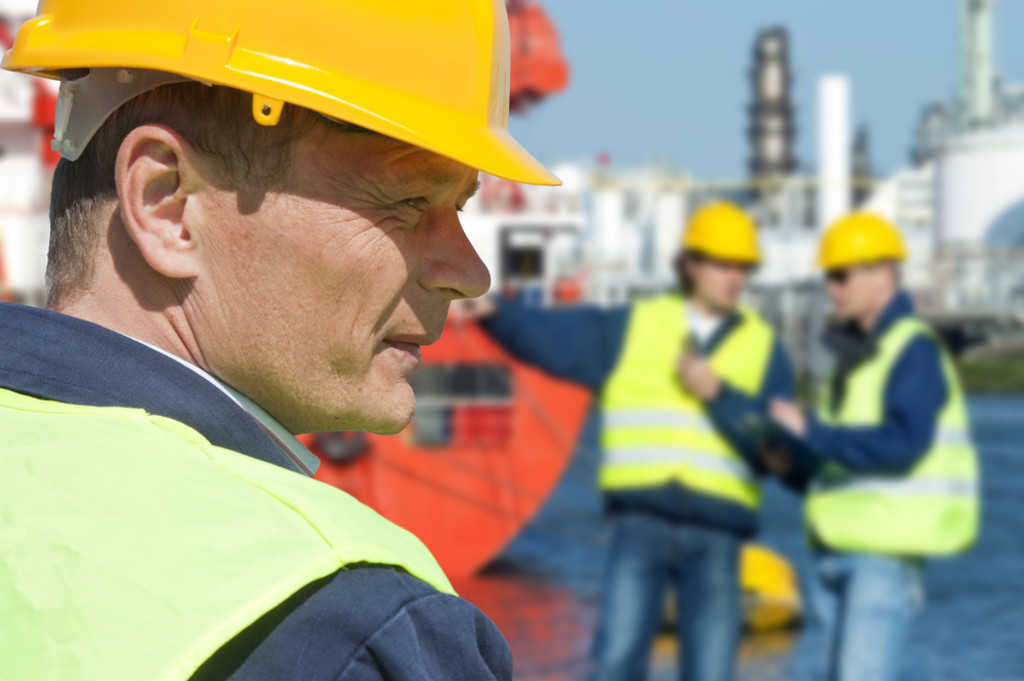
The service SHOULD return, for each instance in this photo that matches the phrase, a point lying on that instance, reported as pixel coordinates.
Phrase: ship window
(522, 263)
(463, 405)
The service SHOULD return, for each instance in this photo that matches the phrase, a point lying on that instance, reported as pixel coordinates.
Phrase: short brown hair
(215, 120)
(684, 259)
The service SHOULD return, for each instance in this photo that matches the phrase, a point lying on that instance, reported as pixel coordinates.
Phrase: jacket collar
(65, 359)
(901, 305)
(852, 347)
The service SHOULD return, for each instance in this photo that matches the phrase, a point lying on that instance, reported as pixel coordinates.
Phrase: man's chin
(389, 427)
(383, 421)
(726, 306)
(391, 416)
(386, 418)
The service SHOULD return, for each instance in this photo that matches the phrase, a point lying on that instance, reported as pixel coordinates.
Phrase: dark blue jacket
(365, 624)
(583, 344)
(914, 397)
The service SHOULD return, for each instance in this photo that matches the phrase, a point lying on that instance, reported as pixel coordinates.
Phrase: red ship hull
(469, 495)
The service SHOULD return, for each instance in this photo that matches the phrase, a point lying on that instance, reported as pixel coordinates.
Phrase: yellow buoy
(771, 596)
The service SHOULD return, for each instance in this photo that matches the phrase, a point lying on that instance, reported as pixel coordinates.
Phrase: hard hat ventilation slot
(73, 74)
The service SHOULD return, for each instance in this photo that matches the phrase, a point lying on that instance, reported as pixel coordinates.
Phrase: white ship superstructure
(25, 168)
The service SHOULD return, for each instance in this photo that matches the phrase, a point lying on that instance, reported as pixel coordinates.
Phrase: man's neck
(156, 328)
(705, 309)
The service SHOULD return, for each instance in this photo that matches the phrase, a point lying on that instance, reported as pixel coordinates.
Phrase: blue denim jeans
(649, 555)
(858, 611)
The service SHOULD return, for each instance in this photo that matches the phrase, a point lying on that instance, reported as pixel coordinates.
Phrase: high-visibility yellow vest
(132, 549)
(933, 509)
(654, 430)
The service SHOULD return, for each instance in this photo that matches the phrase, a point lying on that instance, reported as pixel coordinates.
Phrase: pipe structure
(833, 148)
(977, 69)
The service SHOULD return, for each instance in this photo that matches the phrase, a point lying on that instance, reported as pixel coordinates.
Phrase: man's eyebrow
(440, 178)
(471, 191)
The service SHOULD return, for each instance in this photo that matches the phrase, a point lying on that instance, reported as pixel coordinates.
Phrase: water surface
(542, 591)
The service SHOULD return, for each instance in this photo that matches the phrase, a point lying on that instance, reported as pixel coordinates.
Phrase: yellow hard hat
(724, 231)
(860, 238)
(434, 74)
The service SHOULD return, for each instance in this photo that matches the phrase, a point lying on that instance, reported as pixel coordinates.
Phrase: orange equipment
(538, 68)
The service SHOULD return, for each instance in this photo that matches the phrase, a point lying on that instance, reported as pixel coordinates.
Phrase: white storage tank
(980, 190)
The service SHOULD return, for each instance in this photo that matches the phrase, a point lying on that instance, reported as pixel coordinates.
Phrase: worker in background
(676, 375)
(254, 230)
(897, 477)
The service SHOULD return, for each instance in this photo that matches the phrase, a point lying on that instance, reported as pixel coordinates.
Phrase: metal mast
(977, 71)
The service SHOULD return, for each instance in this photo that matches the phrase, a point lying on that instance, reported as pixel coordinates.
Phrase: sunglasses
(838, 277)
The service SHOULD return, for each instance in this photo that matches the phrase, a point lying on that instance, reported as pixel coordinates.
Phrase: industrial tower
(772, 129)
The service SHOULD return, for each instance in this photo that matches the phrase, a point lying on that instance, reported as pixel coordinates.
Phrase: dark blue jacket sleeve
(733, 406)
(580, 344)
(914, 397)
(366, 624)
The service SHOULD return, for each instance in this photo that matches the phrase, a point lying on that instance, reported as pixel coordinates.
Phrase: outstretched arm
(580, 344)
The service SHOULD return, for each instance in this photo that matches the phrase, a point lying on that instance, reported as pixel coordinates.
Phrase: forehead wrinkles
(390, 163)
(377, 168)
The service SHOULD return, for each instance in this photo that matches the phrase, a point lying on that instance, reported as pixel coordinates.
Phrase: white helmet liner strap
(84, 103)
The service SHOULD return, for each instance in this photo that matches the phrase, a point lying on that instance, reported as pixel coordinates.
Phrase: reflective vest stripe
(713, 463)
(953, 437)
(656, 418)
(919, 487)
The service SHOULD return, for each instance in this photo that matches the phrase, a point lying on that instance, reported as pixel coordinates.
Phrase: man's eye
(419, 203)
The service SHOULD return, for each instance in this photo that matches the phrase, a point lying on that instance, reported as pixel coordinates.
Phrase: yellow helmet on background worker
(723, 231)
(433, 74)
(860, 239)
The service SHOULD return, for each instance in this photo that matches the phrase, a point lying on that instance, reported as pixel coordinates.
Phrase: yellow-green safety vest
(933, 509)
(654, 430)
(132, 549)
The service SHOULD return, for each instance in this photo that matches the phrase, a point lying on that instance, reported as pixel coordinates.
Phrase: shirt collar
(289, 444)
(722, 331)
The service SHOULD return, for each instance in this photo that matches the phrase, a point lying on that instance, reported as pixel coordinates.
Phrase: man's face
(317, 298)
(719, 284)
(855, 291)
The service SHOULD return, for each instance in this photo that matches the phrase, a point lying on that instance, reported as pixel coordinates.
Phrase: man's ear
(154, 173)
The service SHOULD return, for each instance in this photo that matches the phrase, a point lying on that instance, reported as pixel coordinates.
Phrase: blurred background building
(609, 233)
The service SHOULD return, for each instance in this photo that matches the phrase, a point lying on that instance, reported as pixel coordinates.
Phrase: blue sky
(667, 80)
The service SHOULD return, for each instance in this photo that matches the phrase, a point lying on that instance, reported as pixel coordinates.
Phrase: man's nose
(452, 265)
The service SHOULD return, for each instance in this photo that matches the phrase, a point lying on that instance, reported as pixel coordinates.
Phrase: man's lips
(412, 343)
(409, 348)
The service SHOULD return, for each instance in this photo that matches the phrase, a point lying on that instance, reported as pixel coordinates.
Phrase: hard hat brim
(476, 141)
(838, 263)
(731, 257)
